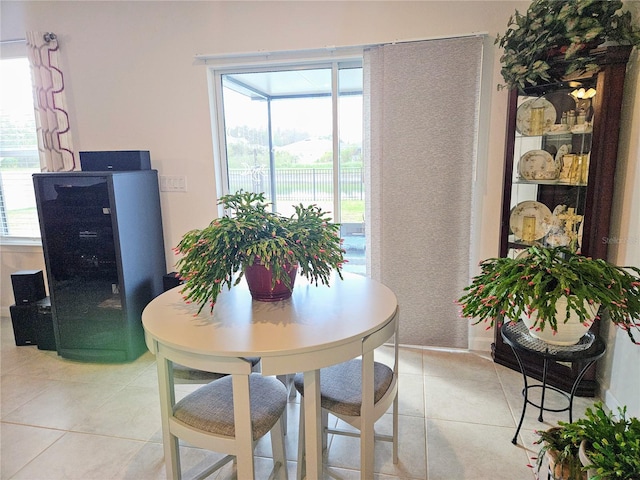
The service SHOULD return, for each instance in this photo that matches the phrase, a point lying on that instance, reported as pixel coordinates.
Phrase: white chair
(227, 415)
(344, 394)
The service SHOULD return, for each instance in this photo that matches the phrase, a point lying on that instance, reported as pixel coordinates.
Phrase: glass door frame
(218, 125)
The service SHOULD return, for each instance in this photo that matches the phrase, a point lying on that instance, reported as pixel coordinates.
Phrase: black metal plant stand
(587, 351)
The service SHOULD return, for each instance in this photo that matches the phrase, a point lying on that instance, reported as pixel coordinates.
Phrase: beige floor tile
(62, 405)
(411, 361)
(133, 413)
(465, 451)
(81, 456)
(116, 374)
(13, 357)
(32, 363)
(464, 400)
(461, 364)
(20, 444)
(411, 395)
(19, 389)
(344, 452)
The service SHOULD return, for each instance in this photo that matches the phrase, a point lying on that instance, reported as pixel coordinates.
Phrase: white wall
(133, 84)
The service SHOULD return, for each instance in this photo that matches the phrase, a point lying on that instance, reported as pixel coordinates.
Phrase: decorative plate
(530, 220)
(538, 165)
(523, 115)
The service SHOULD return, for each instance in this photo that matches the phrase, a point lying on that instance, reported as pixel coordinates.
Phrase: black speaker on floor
(23, 318)
(28, 286)
(115, 161)
(170, 281)
(45, 336)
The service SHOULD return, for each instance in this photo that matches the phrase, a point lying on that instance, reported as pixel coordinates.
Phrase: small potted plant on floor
(600, 446)
(560, 448)
(261, 245)
(609, 445)
(549, 288)
(553, 39)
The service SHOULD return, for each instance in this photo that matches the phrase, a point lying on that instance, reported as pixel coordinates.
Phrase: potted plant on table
(254, 242)
(553, 39)
(549, 288)
(600, 446)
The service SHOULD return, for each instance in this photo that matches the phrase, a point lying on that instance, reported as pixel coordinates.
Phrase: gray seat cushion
(210, 408)
(200, 376)
(341, 386)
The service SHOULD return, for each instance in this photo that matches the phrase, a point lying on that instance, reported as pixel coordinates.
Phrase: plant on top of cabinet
(254, 236)
(553, 39)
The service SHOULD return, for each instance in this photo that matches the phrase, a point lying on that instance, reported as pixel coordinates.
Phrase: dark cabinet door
(102, 267)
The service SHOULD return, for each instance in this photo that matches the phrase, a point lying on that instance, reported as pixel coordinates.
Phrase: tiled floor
(69, 420)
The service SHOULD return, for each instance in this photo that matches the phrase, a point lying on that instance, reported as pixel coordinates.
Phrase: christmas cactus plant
(512, 287)
(214, 257)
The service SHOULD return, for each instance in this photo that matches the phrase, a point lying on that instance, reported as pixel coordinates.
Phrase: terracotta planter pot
(260, 282)
(563, 471)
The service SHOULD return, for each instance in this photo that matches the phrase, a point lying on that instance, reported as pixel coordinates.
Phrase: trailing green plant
(552, 31)
(249, 233)
(513, 287)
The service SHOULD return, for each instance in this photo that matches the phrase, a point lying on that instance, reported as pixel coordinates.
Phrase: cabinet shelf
(548, 182)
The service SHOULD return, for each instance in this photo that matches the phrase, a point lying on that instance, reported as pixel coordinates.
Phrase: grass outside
(352, 211)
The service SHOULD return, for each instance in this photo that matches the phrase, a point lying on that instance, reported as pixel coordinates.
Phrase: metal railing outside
(301, 184)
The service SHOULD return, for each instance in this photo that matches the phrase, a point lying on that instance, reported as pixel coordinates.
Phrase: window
(295, 133)
(18, 152)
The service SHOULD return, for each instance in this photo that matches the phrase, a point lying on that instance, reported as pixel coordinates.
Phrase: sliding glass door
(295, 134)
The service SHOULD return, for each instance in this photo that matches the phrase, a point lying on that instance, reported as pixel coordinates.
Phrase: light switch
(173, 183)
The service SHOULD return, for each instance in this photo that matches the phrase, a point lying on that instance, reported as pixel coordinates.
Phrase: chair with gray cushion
(228, 415)
(342, 394)
(182, 374)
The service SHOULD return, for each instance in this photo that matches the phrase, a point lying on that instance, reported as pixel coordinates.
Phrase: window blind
(421, 123)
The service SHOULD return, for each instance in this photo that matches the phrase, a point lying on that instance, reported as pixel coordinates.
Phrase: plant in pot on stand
(553, 39)
(550, 288)
(256, 243)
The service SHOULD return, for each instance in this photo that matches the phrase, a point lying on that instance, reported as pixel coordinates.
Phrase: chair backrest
(369, 344)
(384, 334)
(220, 365)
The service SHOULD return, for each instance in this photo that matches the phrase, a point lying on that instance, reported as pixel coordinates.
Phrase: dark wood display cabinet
(560, 158)
(104, 253)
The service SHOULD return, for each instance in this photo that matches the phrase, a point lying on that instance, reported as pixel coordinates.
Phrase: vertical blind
(421, 123)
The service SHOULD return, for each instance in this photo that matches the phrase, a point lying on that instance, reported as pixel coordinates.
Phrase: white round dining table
(317, 327)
